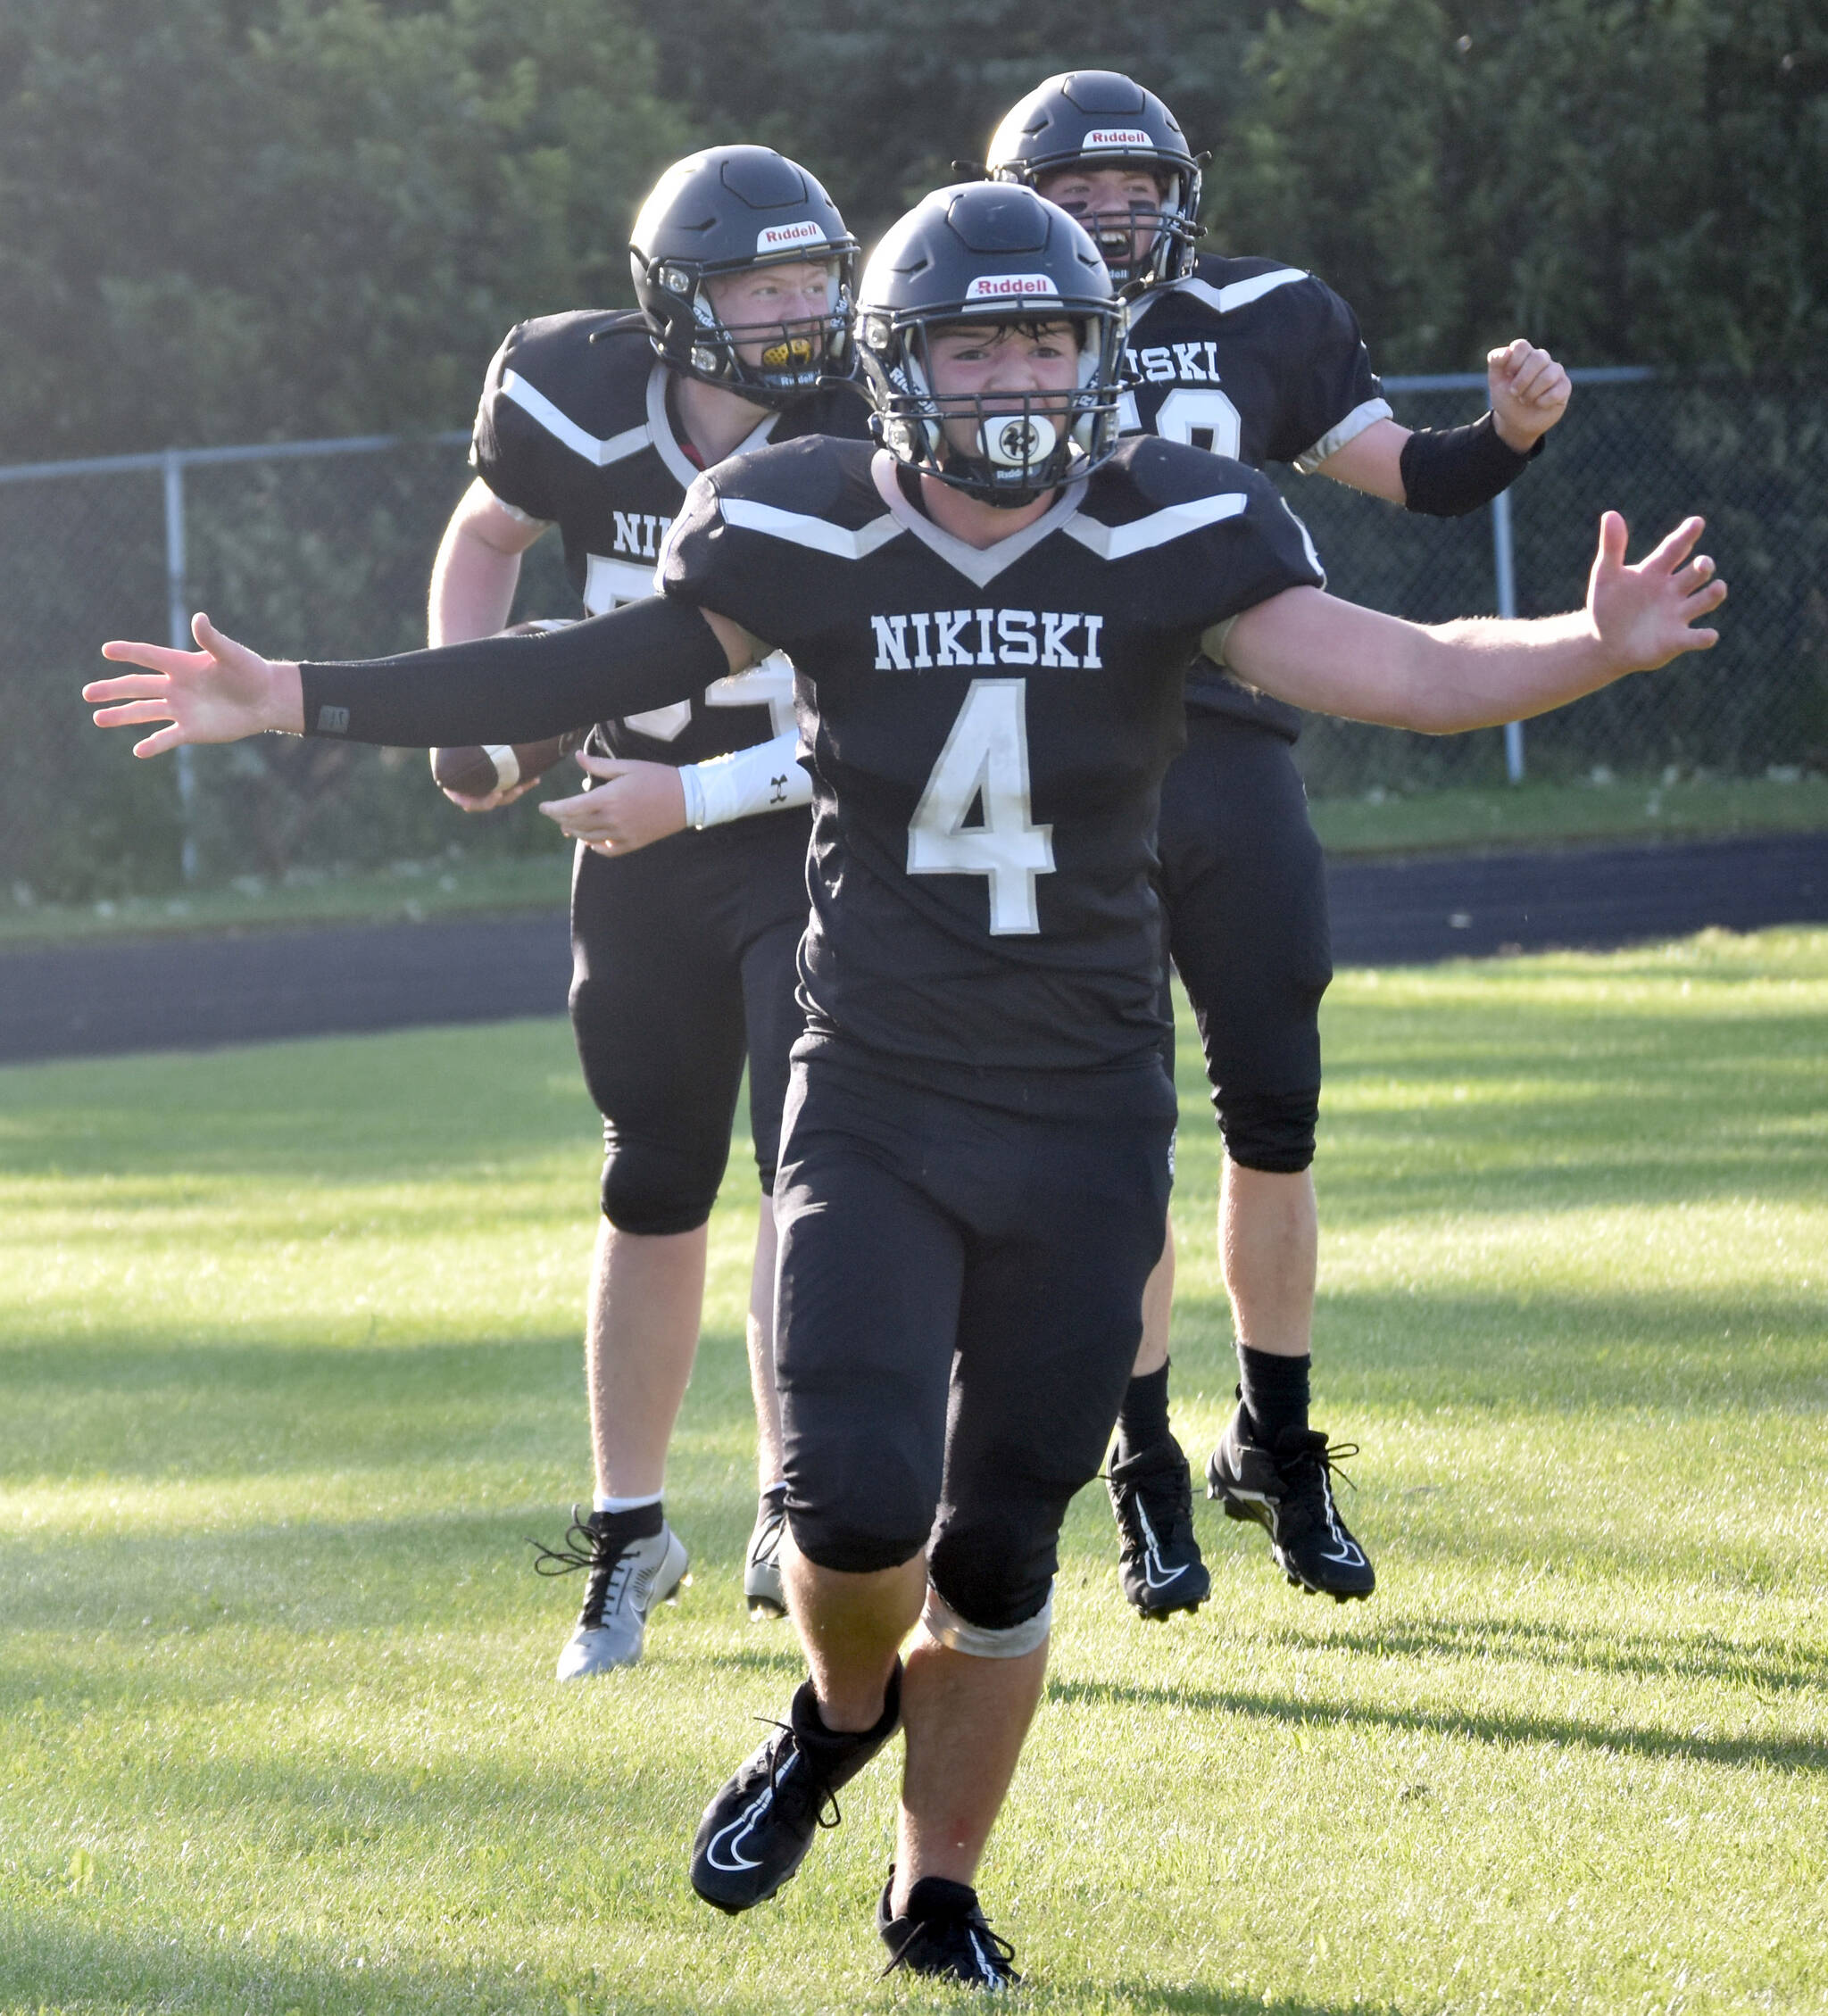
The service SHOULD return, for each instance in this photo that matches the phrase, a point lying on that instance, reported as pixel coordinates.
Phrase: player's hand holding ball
(1529, 392)
(629, 808)
(482, 777)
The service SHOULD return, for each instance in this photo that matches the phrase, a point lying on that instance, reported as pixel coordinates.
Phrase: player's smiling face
(1000, 367)
(785, 306)
(1118, 206)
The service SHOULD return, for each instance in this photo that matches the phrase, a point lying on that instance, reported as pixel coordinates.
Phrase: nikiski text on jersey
(929, 638)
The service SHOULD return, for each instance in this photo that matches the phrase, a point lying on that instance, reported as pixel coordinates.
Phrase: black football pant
(1245, 887)
(959, 1303)
(683, 958)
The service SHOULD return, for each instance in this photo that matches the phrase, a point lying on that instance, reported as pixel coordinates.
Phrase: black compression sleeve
(519, 689)
(1450, 471)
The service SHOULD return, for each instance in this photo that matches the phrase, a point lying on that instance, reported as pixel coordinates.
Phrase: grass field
(290, 1369)
(1624, 812)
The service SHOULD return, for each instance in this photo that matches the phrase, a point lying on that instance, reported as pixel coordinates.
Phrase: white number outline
(1189, 410)
(613, 583)
(985, 756)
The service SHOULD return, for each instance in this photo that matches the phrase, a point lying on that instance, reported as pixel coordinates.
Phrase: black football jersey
(987, 732)
(1256, 361)
(574, 429)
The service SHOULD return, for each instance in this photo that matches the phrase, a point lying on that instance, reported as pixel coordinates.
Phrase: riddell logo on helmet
(774, 238)
(1010, 287)
(1117, 136)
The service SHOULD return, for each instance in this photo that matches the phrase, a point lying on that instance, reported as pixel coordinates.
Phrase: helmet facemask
(1171, 223)
(796, 352)
(1025, 444)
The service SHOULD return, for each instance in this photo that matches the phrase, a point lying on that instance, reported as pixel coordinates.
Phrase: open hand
(633, 805)
(1645, 614)
(221, 692)
(1529, 392)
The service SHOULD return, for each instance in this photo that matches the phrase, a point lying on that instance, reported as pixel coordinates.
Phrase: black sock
(640, 1522)
(1143, 1419)
(1273, 1390)
(810, 1727)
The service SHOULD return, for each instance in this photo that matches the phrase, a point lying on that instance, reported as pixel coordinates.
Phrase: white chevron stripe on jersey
(817, 533)
(562, 427)
(1118, 542)
(1238, 294)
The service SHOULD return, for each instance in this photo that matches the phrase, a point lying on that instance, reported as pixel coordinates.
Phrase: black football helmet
(730, 210)
(1102, 119)
(988, 252)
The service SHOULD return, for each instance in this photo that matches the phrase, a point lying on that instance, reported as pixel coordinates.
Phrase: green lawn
(289, 1369)
(1617, 811)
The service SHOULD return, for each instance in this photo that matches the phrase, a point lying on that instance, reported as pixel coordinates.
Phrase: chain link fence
(323, 549)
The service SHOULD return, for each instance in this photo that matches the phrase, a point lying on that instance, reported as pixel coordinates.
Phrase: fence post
(1503, 564)
(178, 630)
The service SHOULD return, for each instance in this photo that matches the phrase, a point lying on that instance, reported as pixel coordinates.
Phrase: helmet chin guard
(729, 211)
(998, 256)
(1091, 119)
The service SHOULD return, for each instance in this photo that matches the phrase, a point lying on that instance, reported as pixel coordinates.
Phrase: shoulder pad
(1148, 474)
(813, 477)
(552, 350)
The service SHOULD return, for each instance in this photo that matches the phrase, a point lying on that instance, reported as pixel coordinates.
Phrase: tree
(1636, 182)
(297, 216)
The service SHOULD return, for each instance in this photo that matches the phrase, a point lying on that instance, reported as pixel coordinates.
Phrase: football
(476, 771)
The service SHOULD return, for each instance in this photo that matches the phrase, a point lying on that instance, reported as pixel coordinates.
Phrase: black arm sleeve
(510, 689)
(1450, 471)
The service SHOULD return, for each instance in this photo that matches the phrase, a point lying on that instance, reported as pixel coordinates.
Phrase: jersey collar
(980, 564)
(666, 443)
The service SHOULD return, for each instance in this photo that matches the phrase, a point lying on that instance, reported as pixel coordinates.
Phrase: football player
(990, 617)
(1256, 360)
(683, 955)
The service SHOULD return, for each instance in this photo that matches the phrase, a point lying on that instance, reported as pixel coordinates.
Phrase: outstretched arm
(1335, 657)
(492, 690)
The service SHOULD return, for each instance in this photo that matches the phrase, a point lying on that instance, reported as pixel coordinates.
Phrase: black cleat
(755, 1833)
(1151, 1496)
(1288, 1491)
(943, 1934)
(762, 1588)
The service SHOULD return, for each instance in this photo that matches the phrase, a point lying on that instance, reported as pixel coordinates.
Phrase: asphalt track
(196, 992)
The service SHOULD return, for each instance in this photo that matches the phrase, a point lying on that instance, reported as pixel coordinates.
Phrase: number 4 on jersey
(984, 765)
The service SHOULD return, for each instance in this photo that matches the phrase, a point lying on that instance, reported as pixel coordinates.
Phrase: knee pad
(1273, 1132)
(996, 1575)
(655, 1189)
(944, 1626)
(848, 1547)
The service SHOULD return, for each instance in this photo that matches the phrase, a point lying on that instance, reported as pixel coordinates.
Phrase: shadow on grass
(1559, 1354)
(310, 1575)
(1781, 1754)
(1700, 1656)
(153, 1407)
(98, 1971)
(95, 1970)
(1235, 2002)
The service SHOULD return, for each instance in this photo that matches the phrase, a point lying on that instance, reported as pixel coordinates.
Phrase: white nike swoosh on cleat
(731, 1835)
(1349, 1559)
(1152, 1561)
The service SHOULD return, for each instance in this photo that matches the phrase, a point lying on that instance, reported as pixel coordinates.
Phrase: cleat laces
(608, 1563)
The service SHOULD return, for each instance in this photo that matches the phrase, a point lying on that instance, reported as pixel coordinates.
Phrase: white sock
(602, 1502)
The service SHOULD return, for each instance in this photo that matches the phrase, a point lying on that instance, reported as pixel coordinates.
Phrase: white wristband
(695, 794)
(765, 778)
